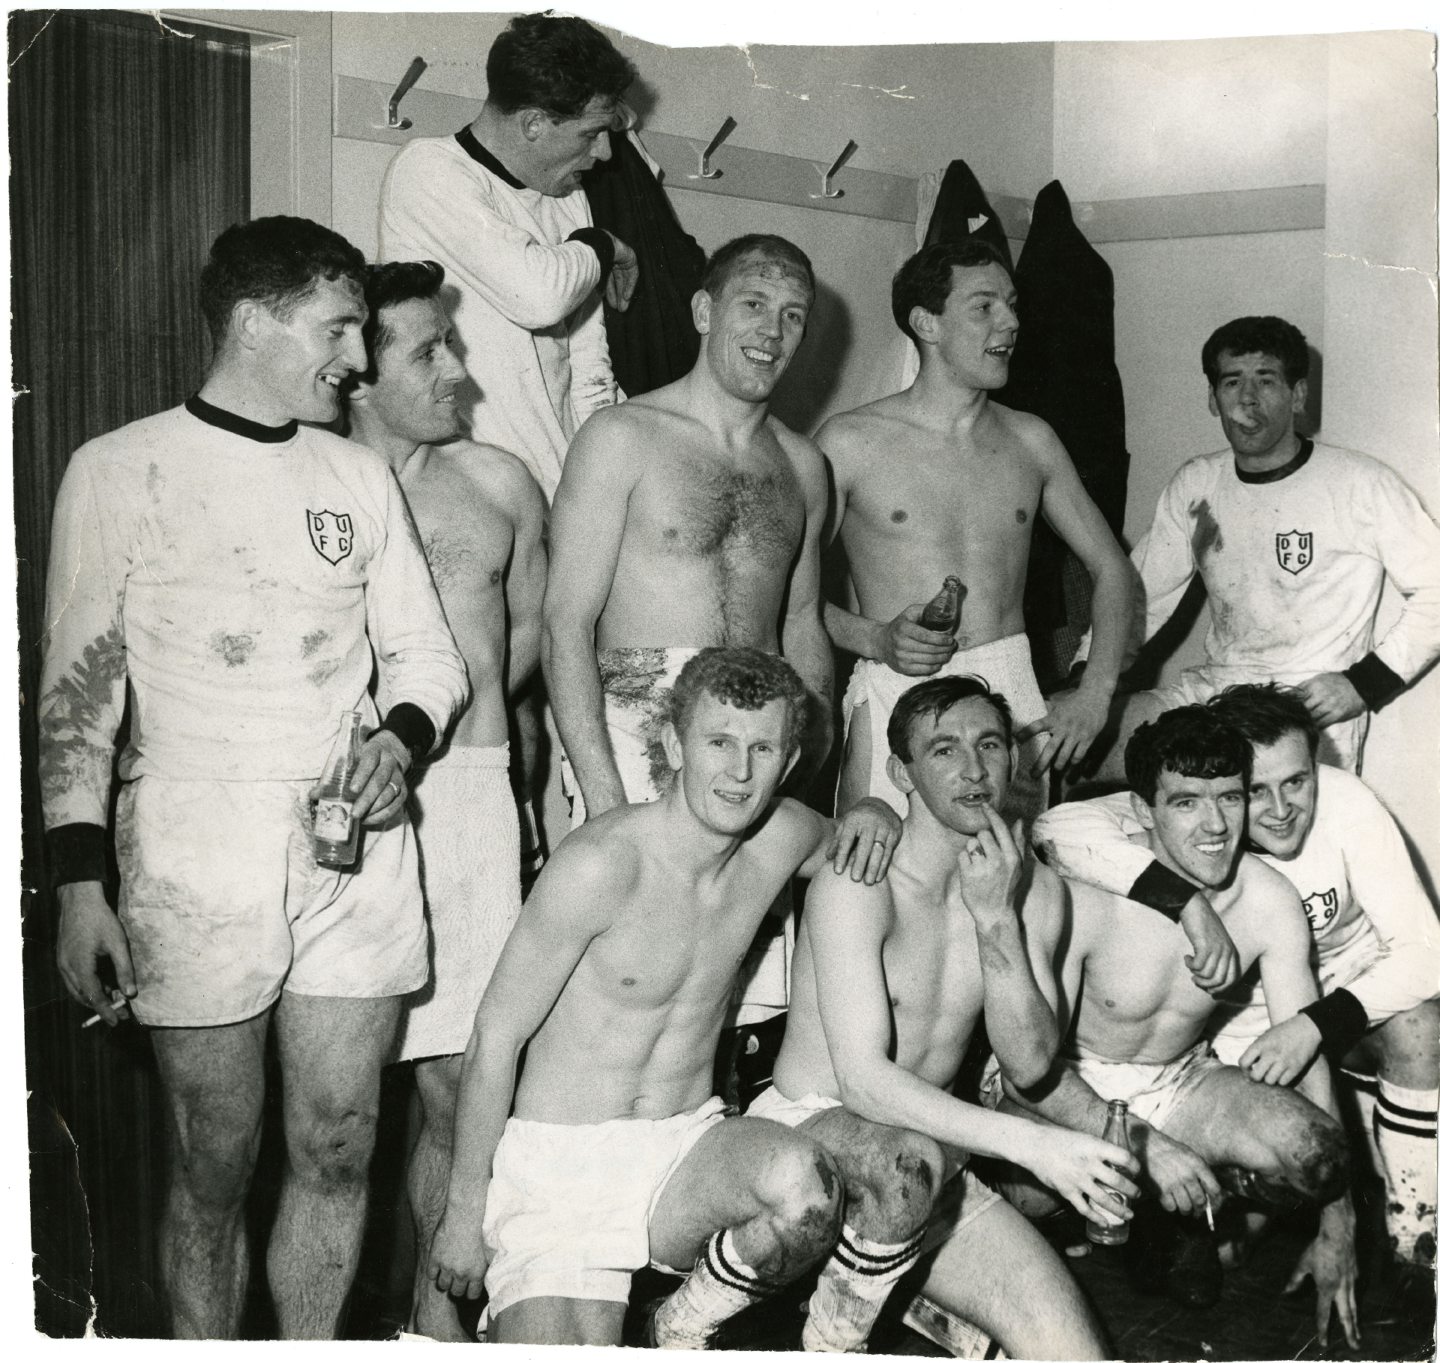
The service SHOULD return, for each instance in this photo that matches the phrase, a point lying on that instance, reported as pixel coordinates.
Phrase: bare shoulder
(1262, 891)
(835, 901)
(610, 447)
(848, 437)
(803, 453)
(599, 864)
(495, 474)
(1032, 433)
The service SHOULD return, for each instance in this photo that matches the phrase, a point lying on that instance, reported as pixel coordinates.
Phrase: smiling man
(615, 983)
(499, 205)
(939, 480)
(237, 575)
(481, 520)
(689, 517)
(1295, 541)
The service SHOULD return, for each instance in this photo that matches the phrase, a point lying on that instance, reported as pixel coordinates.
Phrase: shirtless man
(481, 516)
(684, 518)
(938, 480)
(890, 980)
(615, 981)
(1140, 1019)
(1375, 929)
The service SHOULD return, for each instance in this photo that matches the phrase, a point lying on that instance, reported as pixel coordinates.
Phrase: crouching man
(617, 975)
(890, 979)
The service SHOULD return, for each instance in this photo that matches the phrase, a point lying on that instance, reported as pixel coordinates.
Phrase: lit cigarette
(118, 1002)
(1209, 1215)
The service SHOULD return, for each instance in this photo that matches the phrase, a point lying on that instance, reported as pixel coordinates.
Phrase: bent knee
(801, 1188)
(215, 1159)
(901, 1175)
(1409, 1046)
(1317, 1163)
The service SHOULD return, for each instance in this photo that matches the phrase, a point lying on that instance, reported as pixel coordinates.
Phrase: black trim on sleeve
(75, 852)
(1341, 1018)
(412, 726)
(1161, 889)
(598, 240)
(239, 425)
(1375, 681)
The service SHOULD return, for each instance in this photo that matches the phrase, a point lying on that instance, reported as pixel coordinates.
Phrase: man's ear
(248, 321)
(896, 771)
(1143, 812)
(700, 311)
(670, 741)
(922, 323)
(532, 123)
(1210, 395)
(1298, 397)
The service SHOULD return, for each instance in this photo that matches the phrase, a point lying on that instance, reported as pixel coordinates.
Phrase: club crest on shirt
(1295, 549)
(1321, 908)
(332, 533)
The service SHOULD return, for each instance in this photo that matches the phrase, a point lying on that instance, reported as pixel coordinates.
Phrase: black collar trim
(239, 425)
(472, 148)
(1302, 457)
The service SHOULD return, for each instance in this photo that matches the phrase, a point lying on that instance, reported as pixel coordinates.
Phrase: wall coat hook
(706, 172)
(392, 105)
(826, 176)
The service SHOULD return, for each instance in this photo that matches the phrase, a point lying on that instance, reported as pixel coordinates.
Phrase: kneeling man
(1140, 1015)
(617, 976)
(890, 979)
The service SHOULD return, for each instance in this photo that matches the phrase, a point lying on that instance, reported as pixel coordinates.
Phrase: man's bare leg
(998, 1273)
(891, 1178)
(331, 1050)
(752, 1206)
(558, 1320)
(214, 1080)
(432, 1312)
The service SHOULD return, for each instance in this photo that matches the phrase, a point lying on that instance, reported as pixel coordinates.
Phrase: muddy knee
(333, 1148)
(889, 1193)
(802, 1195)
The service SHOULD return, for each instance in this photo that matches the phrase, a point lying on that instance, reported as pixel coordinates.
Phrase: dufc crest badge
(1321, 908)
(1295, 549)
(332, 533)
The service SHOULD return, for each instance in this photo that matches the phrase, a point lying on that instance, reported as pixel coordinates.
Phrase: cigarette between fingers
(1209, 1215)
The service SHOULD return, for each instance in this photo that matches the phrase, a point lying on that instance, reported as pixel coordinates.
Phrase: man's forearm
(482, 1107)
(572, 678)
(1064, 1098)
(1111, 613)
(1019, 1021)
(806, 647)
(853, 633)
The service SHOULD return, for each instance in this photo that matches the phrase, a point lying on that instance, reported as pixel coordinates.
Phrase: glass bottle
(1117, 1132)
(943, 613)
(335, 832)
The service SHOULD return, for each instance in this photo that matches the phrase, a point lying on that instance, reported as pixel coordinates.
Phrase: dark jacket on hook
(653, 342)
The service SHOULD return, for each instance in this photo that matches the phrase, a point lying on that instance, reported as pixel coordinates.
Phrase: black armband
(1159, 888)
(1341, 1019)
(1374, 681)
(75, 852)
(598, 240)
(412, 726)
(1077, 675)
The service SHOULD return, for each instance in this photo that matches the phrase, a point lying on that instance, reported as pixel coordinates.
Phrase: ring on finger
(390, 785)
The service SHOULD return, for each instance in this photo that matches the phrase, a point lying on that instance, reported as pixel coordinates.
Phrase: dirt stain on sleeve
(1205, 538)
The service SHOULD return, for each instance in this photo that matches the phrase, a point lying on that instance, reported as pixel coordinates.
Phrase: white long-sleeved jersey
(1293, 567)
(239, 586)
(1354, 875)
(527, 312)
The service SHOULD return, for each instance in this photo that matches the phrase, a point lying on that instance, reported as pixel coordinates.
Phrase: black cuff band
(75, 852)
(1374, 680)
(598, 240)
(1077, 674)
(412, 726)
(1341, 1018)
(1161, 889)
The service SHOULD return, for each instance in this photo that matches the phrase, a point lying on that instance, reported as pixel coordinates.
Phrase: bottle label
(333, 819)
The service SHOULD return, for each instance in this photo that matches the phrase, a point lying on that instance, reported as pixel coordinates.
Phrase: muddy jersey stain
(1206, 538)
(312, 641)
(234, 648)
(75, 733)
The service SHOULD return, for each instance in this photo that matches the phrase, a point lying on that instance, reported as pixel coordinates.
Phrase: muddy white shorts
(569, 1208)
(1154, 1092)
(224, 906)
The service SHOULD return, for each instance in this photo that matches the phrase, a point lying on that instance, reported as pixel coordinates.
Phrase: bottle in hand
(335, 836)
(943, 613)
(1117, 1132)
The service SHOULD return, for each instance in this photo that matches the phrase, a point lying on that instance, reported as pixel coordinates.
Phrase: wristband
(75, 852)
(598, 240)
(412, 726)
(1159, 888)
(1340, 1018)
(1375, 683)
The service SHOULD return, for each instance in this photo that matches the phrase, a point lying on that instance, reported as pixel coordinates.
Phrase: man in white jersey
(1377, 938)
(890, 981)
(239, 575)
(1294, 541)
(500, 206)
(481, 520)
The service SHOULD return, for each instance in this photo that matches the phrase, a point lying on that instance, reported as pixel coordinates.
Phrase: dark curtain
(653, 342)
(129, 153)
(1064, 371)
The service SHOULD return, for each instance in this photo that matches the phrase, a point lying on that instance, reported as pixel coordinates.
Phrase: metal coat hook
(705, 172)
(827, 175)
(392, 106)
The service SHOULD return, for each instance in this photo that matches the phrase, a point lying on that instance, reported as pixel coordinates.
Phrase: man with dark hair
(481, 522)
(239, 575)
(1375, 930)
(939, 481)
(1139, 1023)
(689, 517)
(499, 205)
(615, 983)
(1295, 541)
(890, 981)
